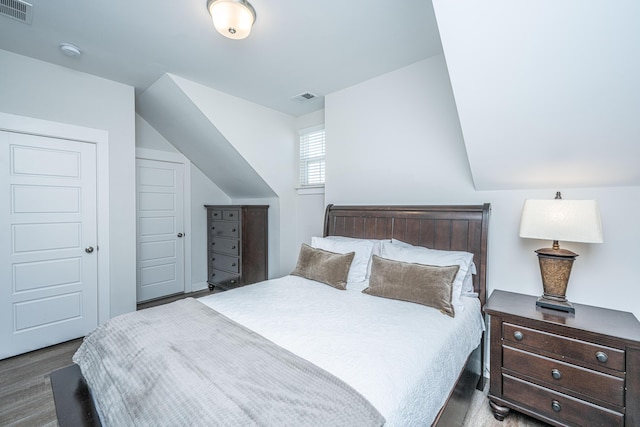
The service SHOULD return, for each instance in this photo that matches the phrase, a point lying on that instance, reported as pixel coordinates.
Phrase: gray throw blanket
(184, 364)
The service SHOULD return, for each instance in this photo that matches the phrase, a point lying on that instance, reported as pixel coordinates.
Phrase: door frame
(166, 156)
(39, 127)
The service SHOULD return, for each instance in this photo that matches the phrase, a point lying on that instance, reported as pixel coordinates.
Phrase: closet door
(48, 241)
(160, 215)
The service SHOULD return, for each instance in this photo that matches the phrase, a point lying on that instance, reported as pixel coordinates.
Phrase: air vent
(304, 97)
(16, 9)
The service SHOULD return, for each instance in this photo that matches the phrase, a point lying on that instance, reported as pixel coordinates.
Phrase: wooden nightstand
(565, 369)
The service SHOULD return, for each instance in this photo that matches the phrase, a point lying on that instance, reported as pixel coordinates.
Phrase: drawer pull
(602, 357)
(230, 215)
(233, 247)
(518, 335)
(556, 374)
(233, 264)
(555, 405)
(233, 231)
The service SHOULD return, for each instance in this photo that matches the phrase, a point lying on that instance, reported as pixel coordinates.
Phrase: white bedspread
(403, 357)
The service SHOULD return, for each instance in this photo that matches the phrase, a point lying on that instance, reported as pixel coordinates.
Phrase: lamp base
(555, 267)
(555, 305)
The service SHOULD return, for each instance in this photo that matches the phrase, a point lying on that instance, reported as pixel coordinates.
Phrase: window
(312, 157)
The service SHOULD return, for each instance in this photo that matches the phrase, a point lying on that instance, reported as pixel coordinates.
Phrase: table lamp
(558, 219)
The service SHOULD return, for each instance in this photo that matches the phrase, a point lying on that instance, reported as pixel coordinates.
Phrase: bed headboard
(454, 228)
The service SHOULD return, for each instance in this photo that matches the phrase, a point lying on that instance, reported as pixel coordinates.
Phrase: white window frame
(304, 158)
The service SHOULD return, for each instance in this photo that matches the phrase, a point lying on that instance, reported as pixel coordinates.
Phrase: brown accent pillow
(324, 266)
(422, 284)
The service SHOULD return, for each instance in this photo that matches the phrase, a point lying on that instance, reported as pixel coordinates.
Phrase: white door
(160, 214)
(48, 241)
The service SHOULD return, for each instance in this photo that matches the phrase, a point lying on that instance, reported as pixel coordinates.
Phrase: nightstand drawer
(586, 382)
(577, 350)
(559, 406)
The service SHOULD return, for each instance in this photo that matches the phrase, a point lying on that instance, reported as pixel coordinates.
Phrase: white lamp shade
(232, 18)
(562, 220)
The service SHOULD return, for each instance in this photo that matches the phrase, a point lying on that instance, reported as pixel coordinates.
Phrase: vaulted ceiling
(295, 46)
(547, 92)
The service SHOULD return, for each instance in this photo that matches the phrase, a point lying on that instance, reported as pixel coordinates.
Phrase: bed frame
(461, 228)
(455, 228)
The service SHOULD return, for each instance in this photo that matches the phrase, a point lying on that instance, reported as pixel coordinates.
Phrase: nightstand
(565, 369)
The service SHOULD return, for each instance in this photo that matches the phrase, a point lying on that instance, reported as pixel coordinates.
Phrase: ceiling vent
(16, 9)
(304, 97)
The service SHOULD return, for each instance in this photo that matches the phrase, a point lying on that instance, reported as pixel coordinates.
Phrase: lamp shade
(559, 219)
(232, 18)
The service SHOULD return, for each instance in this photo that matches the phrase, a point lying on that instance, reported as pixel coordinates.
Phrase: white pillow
(362, 248)
(402, 244)
(376, 249)
(467, 283)
(420, 255)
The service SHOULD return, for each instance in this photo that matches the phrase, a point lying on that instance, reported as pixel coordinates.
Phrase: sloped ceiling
(170, 111)
(295, 46)
(548, 92)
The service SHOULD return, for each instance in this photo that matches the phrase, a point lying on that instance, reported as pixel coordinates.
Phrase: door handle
(89, 249)
(180, 234)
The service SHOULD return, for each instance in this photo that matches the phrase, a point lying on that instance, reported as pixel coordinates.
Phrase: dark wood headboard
(454, 228)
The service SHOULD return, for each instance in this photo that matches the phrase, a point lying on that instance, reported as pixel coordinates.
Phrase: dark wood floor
(25, 389)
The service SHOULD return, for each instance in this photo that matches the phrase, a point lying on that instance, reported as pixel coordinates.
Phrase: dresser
(237, 245)
(565, 369)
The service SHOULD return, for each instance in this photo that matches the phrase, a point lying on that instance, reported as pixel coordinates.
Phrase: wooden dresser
(565, 369)
(237, 245)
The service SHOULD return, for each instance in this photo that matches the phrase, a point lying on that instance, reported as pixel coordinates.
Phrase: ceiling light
(232, 18)
(70, 49)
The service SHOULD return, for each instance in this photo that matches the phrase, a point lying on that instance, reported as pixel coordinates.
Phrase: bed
(390, 375)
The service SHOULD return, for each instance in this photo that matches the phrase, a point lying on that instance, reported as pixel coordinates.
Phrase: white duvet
(403, 357)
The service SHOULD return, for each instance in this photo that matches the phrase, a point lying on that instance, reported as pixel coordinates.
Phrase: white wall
(203, 192)
(310, 203)
(396, 140)
(266, 139)
(33, 88)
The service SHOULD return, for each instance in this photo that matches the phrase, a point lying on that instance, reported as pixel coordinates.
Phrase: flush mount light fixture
(232, 18)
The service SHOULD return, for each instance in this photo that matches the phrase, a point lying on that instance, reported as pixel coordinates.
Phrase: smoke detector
(70, 49)
(304, 97)
(17, 9)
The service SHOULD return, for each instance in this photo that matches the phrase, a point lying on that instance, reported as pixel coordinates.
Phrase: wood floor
(26, 398)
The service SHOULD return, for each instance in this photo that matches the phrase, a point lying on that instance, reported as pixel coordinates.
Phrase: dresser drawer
(587, 382)
(214, 214)
(577, 350)
(220, 277)
(224, 229)
(227, 246)
(559, 406)
(231, 214)
(226, 263)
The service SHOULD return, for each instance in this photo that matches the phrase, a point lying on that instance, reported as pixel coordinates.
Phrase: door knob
(89, 249)
(180, 234)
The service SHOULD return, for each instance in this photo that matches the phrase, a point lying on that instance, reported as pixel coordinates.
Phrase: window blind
(312, 156)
